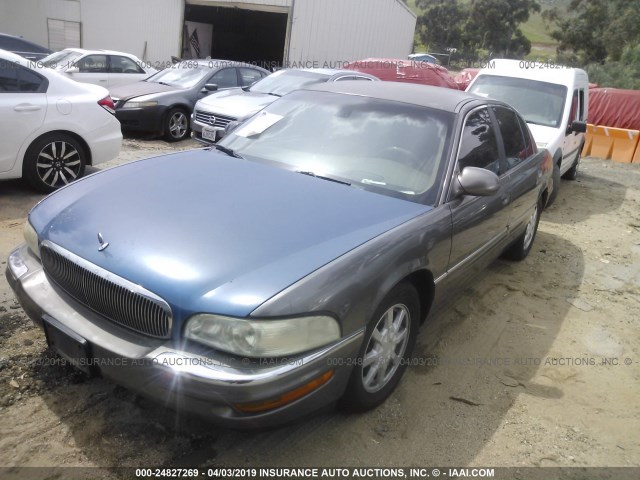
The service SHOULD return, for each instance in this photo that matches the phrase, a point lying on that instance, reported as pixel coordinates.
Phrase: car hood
(235, 103)
(542, 134)
(136, 89)
(212, 233)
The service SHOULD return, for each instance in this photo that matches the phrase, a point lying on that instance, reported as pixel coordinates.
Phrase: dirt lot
(513, 372)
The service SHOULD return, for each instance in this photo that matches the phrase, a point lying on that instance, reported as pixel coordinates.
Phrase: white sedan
(106, 68)
(50, 126)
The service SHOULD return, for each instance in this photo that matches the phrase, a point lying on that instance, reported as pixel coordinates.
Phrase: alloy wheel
(178, 125)
(386, 348)
(58, 163)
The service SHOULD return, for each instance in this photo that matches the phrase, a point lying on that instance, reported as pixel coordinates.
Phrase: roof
(423, 95)
(405, 70)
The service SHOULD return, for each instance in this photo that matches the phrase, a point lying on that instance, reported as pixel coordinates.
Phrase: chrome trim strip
(94, 299)
(472, 256)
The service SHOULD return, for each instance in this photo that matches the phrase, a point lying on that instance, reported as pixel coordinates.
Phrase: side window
(573, 114)
(582, 116)
(512, 136)
(14, 78)
(93, 64)
(529, 142)
(124, 65)
(225, 78)
(479, 147)
(248, 76)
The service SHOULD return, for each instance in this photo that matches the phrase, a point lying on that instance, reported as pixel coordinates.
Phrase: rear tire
(52, 161)
(176, 125)
(386, 349)
(521, 248)
(556, 184)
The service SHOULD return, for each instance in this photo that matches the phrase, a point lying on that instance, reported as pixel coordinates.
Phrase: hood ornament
(103, 244)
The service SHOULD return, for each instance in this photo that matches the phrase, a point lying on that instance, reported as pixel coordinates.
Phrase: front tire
(53, 161)
(572, 173)
(521, 248)
(387, 347)
(556, 183)
(176, 125)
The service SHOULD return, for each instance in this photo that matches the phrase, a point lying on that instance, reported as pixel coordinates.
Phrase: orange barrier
(636, 156)
(588, 140)
(617, 144)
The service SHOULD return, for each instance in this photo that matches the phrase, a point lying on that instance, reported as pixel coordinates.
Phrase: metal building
(272, 32)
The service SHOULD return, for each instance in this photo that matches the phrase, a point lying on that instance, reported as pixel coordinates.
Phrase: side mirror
(478, 182)
(72, 70)
(579, 127)
(210, 87)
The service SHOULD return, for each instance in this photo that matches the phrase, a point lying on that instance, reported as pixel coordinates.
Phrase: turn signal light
(285, 399)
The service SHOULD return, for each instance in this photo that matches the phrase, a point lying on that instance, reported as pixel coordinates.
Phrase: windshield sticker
(258, 124)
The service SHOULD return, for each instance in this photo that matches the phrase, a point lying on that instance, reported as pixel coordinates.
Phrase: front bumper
(149, 119)
(182, 379)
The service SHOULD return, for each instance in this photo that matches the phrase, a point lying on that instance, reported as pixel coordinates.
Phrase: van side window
(575, 110)
(582, 117)
(515, 148)
(479, 147)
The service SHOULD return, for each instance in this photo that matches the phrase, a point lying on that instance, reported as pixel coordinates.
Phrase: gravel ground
(535, 364)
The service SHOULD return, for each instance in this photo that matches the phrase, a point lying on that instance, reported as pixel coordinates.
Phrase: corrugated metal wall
(339, 31)
(126, 25)
(322, 31)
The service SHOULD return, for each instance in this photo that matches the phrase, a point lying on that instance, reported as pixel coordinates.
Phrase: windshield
(181, 75)
(285, 81)
(60, 59)
(393, 148)
(540, 103)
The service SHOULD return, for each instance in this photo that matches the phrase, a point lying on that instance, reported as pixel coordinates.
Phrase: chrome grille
(212, 119)
(113, 297)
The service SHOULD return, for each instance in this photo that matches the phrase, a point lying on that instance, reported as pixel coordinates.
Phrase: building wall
(126, 25)
(122, 25)
(323, 31)
(339, 31)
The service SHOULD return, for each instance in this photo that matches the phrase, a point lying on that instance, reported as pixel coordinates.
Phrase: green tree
(479, 25)
(596, 30)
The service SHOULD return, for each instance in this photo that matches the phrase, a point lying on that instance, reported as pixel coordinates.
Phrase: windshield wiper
(311, 174)
(228, 151)
(274, 94)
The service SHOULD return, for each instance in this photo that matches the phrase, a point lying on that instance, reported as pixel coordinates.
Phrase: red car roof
(409, 71)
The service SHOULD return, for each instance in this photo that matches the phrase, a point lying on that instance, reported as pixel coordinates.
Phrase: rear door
(92, 69)
(479, 223)
(23, 106)
(521, 166)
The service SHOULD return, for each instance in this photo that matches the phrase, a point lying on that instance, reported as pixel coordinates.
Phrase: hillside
(542, 45)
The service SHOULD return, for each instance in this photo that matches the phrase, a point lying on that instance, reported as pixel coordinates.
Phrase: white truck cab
(552, 99)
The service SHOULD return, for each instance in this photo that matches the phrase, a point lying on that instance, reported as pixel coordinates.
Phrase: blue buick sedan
(290, 266)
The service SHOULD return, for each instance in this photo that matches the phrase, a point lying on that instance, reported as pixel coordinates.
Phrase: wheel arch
(75, 136)
(423, 282)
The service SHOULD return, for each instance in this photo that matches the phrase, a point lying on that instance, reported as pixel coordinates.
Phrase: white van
(552, 99)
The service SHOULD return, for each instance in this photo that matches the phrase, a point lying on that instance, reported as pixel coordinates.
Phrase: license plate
(67, 343)
(209, 134)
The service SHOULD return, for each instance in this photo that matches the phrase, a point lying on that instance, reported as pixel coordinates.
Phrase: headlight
(263, 338)
(149, 103)
(31, 237)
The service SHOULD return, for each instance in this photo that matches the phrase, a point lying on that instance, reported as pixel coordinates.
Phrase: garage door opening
(235, 34)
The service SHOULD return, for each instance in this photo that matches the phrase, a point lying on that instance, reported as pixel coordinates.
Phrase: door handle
(26, 108)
